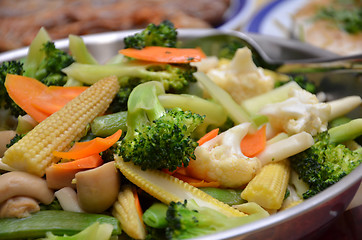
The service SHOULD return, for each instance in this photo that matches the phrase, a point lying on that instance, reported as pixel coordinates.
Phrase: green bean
(55, 221)
(228, 196)
(106, 125)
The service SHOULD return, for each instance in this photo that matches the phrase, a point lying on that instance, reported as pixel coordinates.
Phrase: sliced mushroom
(19, 207)
(98, 188)
(19, 183)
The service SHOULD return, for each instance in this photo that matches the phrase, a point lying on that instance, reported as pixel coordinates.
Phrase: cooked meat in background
(20, 20)
(334, 25)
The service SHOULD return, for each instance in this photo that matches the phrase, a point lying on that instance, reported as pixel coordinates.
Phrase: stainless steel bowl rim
(308, 205)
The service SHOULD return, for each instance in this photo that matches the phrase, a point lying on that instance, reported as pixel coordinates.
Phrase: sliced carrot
(66, 92)
(208, 136)
(61, 175)
(35, 98)
(91, 161)
(23, 90)
(165, 54)
(252, 144)
(137, 204)
(195, 182)
(94, 146)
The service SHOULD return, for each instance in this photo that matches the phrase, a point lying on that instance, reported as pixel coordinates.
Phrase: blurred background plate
(238, 14)
(275, 18)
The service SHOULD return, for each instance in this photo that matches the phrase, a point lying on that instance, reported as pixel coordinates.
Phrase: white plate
(275, 18)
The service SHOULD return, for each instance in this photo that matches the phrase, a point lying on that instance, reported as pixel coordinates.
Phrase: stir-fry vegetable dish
(160, 142)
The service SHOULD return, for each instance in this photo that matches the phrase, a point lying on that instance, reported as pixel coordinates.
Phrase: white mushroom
(19, 183)
(98, 188)
(19, 207)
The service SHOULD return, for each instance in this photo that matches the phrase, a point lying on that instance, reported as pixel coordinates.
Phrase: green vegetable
(15, 139)
(328, 161)
(35, 54)
(188, 220)
(79, 50)
(155, 216)
(12, 67)
(175, 78)
(96, 231)
(106, 125)
(57, 222)
(164, 35)
(157, 138)
(49, 70)
(228, 196)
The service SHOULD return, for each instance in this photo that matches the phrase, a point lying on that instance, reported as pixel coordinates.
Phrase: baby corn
(167, 188)
(125, 211)
(33, 153)
(268, 187)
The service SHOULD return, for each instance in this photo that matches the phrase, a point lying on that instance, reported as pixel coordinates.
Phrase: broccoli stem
(347, 131)
(35, 54)
(90, 74)
(79, 50)
(106, 125)
(214, 113)
(155, 216)
(234, 110)
(144, 106)
(55, 221)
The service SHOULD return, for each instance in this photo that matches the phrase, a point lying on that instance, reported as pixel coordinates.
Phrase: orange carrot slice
(94, 146)
(66, 92)
(208, 136)
(36, 99)
(137, 204)
(23, 90)
(252, 144)
(91, 161)
(165, 54)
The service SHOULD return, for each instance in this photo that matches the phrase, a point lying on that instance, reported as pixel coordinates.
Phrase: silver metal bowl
(294, 223)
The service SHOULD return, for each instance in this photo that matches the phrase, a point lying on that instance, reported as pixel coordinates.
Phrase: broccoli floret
(15, 139)
(302, 81)
(49, 70)
(327, 161)
(188, 220)
(164, 35)
(12, 67)
(175, 79)
(157, 138)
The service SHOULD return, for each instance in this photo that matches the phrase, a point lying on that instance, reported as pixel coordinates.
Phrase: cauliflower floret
(220, 159)
(301, 112)
(240, 77)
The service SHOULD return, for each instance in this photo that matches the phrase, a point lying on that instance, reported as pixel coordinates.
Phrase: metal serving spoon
(272, 50)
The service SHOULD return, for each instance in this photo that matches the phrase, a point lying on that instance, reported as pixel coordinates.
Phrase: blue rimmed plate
(275, 18)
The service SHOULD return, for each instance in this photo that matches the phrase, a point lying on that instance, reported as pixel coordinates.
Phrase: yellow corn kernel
(34, 152)
(125, 211)
(167, 188)
(268, 187)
